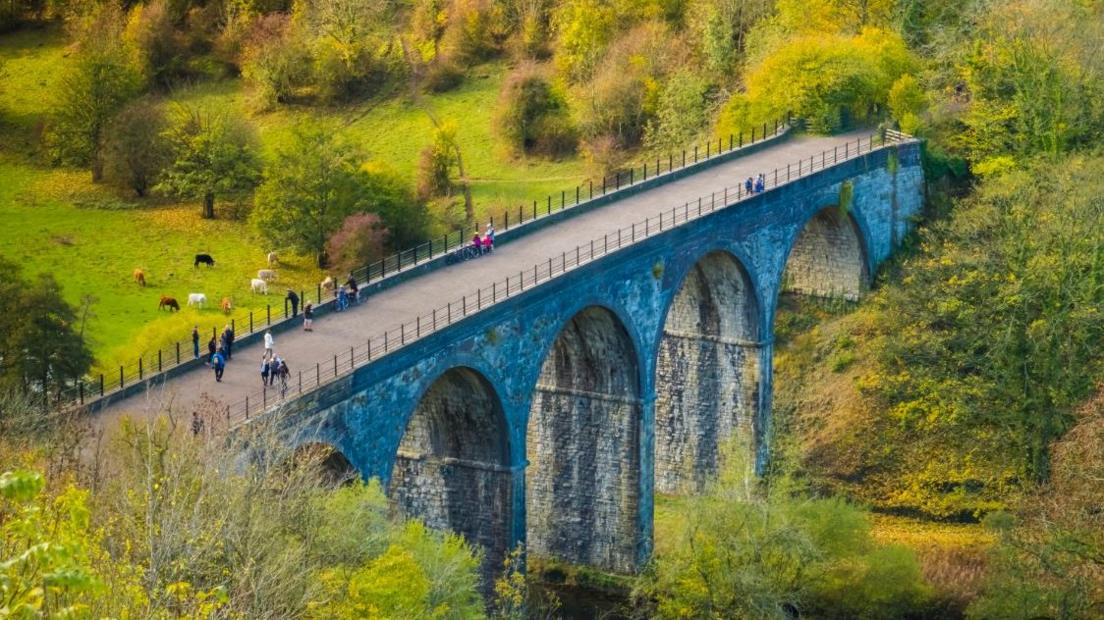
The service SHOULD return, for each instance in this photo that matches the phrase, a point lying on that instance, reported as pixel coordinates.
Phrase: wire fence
(150, 364)
(343, 363)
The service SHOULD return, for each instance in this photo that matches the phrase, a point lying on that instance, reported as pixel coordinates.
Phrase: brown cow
(168, 302)
(227, 305)
(140, 277)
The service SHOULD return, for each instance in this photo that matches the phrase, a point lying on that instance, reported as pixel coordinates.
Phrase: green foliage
(212, 158)
(40, 336)
(681, 113)
(93, 91)
(720, 30)
(533, 115)
(310, 187)
(1003, 303)
(907, 101)
(1035, 87)
(832, 81)
(751, 552)
(154, 44)
(583, 29)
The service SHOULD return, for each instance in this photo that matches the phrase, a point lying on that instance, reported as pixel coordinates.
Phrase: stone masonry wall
(707, 374)
(583, 441)
(827, 259)
(451, 470)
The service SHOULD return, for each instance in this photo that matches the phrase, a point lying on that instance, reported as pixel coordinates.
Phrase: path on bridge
(335, 333)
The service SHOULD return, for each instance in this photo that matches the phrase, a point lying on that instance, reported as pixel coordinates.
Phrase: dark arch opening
(334, 468)
(583, 446)
(452, 468)
(707, 373)
(828, 259)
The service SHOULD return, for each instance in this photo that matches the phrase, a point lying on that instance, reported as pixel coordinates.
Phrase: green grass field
(91, 238)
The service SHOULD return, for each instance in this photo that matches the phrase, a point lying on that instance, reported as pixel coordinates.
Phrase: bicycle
(461, 254)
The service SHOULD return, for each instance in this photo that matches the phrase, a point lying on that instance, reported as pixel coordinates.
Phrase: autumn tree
(135, 151)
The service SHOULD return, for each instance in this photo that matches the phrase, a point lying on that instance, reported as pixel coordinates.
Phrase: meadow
(91, 237)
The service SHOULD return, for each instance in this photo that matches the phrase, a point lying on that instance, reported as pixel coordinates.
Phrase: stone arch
(707, 372)
(828, 258)
(583, 446)
(452, 467)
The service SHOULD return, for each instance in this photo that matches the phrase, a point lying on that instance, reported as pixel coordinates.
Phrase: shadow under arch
(334, 467)
(829, 258)
(707, 372)
(583, 446)
(452, 466)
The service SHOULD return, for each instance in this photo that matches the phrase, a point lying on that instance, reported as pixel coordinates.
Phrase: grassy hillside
(92, 237)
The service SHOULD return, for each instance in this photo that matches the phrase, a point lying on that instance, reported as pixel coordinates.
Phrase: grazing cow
(205, 259)
(227, 305)
(328, 284)
(196, 299)
(168, 302)
(140, 277)
(273, 259)
(259, 286)
(267, 275)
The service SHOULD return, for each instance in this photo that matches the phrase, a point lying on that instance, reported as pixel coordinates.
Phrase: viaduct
(553, 415)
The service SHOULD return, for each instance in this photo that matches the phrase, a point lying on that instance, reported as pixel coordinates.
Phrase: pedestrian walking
(229, 342)
(308, 317)
(211, 348)
(749, 186)
(294, 299)
(342, 298)
(266, 370)
(195, 341)
(219, 364)
(269, 343)
(489, 238)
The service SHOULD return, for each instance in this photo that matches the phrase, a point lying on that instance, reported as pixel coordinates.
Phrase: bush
(473, 33)
(831, 81)
(442, 75)
(744, 551)
(275, 61)
(622, 97)
(361, 240)
(583, 30)
(154, 43)
(135, 152)
(682, 112)
(532, 115)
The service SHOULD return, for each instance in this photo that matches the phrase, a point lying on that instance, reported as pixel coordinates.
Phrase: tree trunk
(209, 206)
(323, 260)
(97, 168)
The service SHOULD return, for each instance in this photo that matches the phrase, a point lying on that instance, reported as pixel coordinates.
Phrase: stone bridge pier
(554, 417)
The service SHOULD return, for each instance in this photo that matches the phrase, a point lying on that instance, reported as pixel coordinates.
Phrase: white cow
(196, 299)
(259, 286)
(268, 275)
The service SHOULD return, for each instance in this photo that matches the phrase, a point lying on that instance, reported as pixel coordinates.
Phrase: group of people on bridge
(756, 185)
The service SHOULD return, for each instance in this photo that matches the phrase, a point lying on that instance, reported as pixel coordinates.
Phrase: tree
(212, 158)
(40, 347)
(97, 87)
(532, 115)
(681, 114)
(135, 152)
(309, 189)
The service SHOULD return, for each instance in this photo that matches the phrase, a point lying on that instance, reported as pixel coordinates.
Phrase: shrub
(275, 61)
(532, 115)
(831, 81)
(442, 75)
(154, 43)
(134, 150)
(361, 240)
(473, 32)
(682, 112)
(583, 30)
